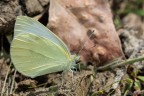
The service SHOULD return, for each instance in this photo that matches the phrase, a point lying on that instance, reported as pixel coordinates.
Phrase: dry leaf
(75, 20)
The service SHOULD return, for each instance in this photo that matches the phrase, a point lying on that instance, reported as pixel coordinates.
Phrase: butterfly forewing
(28, 25)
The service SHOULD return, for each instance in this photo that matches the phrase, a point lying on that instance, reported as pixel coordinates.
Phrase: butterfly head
(74, 59)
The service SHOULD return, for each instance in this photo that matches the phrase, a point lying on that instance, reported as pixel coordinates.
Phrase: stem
(122, 63)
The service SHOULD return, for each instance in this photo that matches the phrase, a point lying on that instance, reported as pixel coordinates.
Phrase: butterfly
(36, 51)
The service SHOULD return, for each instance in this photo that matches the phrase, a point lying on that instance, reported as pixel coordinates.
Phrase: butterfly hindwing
(34, 55)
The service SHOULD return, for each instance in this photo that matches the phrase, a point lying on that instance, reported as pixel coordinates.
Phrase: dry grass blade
(12, 85)
(122, 63)
(4, 86)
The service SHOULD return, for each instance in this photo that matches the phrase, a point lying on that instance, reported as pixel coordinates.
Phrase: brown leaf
(75, 20)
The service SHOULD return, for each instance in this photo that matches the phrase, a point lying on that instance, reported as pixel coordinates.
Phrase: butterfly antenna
(72, 76)
(85, 42)
(84, 45)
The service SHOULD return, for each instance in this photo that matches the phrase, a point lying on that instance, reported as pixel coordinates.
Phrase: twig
(122, 63)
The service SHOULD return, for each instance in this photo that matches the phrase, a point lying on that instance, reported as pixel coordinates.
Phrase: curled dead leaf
(75, 20)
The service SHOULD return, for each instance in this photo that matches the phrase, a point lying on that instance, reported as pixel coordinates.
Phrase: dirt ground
(82, 82)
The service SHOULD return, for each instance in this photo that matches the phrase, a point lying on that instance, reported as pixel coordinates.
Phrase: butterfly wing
(26, 24)
(34, 55)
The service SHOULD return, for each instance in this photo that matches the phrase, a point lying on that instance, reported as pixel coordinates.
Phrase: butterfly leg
(62, 80)
(72, 76)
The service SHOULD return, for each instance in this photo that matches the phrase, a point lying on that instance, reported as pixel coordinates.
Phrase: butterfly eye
(75, 58)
